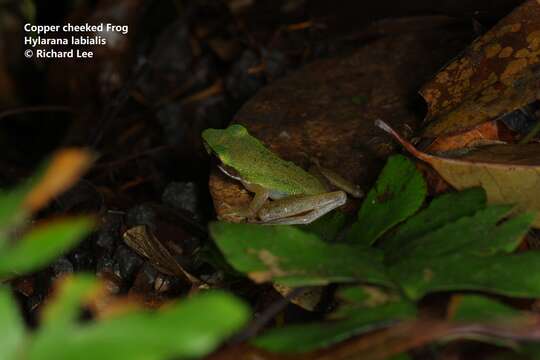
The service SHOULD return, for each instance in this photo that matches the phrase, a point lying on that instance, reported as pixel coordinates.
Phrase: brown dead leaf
(64, 170)
(509, 173)
(497, 74)
(145, 243)
(307, 299)
(483, 133)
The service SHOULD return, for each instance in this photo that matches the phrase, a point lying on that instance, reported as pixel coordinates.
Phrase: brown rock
(326, 109)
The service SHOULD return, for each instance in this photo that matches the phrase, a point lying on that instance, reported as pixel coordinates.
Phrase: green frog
(298, 196)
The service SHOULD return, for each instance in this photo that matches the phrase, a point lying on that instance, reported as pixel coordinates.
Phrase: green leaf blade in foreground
(64, 310)
(308, 337)
(188, 329)
(293, 257)
(12, 332)
(11, 212)
(399, 192)
(43, 244)
(368, 309)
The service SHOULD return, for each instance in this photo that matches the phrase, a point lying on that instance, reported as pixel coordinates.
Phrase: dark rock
(128, 262)
(240, 83)
(183, 196)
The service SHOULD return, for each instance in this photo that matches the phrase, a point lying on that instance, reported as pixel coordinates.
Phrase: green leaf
(42, 244)
(476, 308)
(63, 311)
(11, 213)
(12, 330)
(363, 297)
(11, 201)
(399, 192)
(190, 328)
(481, 308)
(327, 227)
(442, 210)
(478, 234)
(294, 257)
(516, 275)
(355, 319)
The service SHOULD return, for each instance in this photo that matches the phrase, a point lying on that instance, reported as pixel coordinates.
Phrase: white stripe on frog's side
(274, 194)
(229, 174)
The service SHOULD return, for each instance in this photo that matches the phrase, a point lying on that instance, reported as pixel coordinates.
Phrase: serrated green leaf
(442, 210)
(293, 257)
(190, 328)
(355, 319)
(478, 234)
(516, 275)
(12, 332)
(399, 192)
(42, 244)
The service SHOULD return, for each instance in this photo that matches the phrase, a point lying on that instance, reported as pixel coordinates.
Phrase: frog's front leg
(260, 197)
(300, 209)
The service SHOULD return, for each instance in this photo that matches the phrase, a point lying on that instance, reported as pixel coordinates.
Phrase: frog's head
(220, 142)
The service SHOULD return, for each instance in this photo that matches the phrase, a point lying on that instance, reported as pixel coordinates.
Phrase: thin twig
(271, 312)
(30, 109)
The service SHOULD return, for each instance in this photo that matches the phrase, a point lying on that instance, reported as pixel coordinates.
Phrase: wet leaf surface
(497, 74)
(509, 173)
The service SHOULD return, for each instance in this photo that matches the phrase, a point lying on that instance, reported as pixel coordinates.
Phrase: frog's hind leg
(327, 176)
(300, 210)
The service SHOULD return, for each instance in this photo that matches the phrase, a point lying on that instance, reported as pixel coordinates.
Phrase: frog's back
(256, 164)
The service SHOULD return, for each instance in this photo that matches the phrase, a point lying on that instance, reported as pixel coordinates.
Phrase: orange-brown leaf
(497, 74)
(64, 170)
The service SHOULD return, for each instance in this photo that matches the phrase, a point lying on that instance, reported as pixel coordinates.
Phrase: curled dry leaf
(509, 173)
(498, 73)
(483, 134)
(64, 170)
(145, 243)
